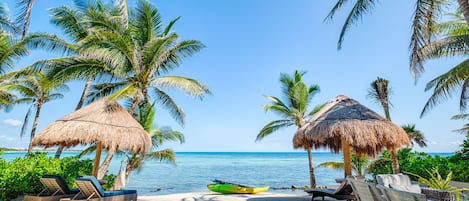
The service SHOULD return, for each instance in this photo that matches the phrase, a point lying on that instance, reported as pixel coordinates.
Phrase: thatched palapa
(345, 122)
(104, 122)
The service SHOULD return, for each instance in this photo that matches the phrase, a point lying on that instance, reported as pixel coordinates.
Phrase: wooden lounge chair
(365, 191)
(343, 192)
(55, 189)
(392, 194)
(91, 190)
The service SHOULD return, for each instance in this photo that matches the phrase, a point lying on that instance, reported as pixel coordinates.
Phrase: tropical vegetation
(125, 56)
(24, 173)
(380, 91)
(129, 53)
(292, 108)
(35, 89)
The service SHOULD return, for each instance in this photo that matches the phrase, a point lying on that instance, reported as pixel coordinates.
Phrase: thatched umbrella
(103, 122)
(343, 123)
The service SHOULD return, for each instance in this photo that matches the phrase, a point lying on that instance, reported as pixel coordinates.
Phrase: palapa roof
(102, 120)
(365, 131)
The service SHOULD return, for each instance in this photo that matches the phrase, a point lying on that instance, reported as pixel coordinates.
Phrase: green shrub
(419, 162)
(21, 176)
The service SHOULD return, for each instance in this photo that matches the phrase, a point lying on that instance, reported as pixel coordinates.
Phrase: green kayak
(230, 188)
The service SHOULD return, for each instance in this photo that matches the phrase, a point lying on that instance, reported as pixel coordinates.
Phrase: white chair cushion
(395, 179)
(414, 188)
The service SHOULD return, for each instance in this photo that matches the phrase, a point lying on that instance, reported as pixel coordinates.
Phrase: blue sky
(249, 43)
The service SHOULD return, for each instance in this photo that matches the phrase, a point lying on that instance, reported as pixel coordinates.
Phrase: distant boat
(231, 188)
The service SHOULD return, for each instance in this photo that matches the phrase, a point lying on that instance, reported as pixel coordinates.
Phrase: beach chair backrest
(89, 186)
(402, 195)
(55, 185)
(52, 186)
(364, 191)
(344, 189)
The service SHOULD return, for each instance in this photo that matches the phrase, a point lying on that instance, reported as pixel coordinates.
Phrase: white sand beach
(231, 197)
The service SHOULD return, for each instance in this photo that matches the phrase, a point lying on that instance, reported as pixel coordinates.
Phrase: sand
(232, 197)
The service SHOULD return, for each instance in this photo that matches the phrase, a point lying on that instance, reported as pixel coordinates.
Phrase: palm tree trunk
(132, 108)
(107, 161)
(386, 113)
(33, 130)
(27, 17)
(83, 94)
(395, 162)
(464, 5)
(79, 105)
(312, 177)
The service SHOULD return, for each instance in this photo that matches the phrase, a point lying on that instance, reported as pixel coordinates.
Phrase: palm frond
(123, 12)
(425, 16)
(88, 150)
(72, 68)
(105, 89)
(168, 103)
(189, 86)
(70, 21)
(176, 53)
(5, 23)
(445, 47)
(165, 134)
(334, 9)
(170, 25)
(48, 42)
(273, 126)
(147, 21)
(445, 84)
(360, 8)
(166, 155)
(332, 165)
(316, 109)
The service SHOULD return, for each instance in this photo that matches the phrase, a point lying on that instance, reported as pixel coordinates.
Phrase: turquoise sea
(196, 169)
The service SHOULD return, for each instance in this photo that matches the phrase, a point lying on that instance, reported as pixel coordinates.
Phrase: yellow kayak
(230, 188)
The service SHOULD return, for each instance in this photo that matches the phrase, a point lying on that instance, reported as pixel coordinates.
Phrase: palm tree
(36, 89)
(140, 56)
(415, 135)
(12, 49)
(25, 9)
(293, 110)
(75, 23)
(135, 58)
(379, 91)
(424, 20)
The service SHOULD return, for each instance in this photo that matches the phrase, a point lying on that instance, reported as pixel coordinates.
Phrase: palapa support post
(347, 160)
(97, 158)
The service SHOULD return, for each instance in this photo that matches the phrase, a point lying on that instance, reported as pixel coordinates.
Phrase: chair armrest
(438, 195)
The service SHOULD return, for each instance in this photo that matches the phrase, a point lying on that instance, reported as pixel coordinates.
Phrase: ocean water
(194, 170)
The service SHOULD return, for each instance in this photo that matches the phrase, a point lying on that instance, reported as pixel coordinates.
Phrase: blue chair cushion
(119, 192)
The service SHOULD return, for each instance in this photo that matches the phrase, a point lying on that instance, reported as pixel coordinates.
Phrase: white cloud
(4, 137)
(12, 122)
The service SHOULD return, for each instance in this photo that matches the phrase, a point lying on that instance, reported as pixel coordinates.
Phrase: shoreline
(204, 196)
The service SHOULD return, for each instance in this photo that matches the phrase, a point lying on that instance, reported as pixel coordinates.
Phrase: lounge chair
(91, 189)
(392, 194)
(343, 192)
(365, 191)
(401, 182)
(55, 189)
